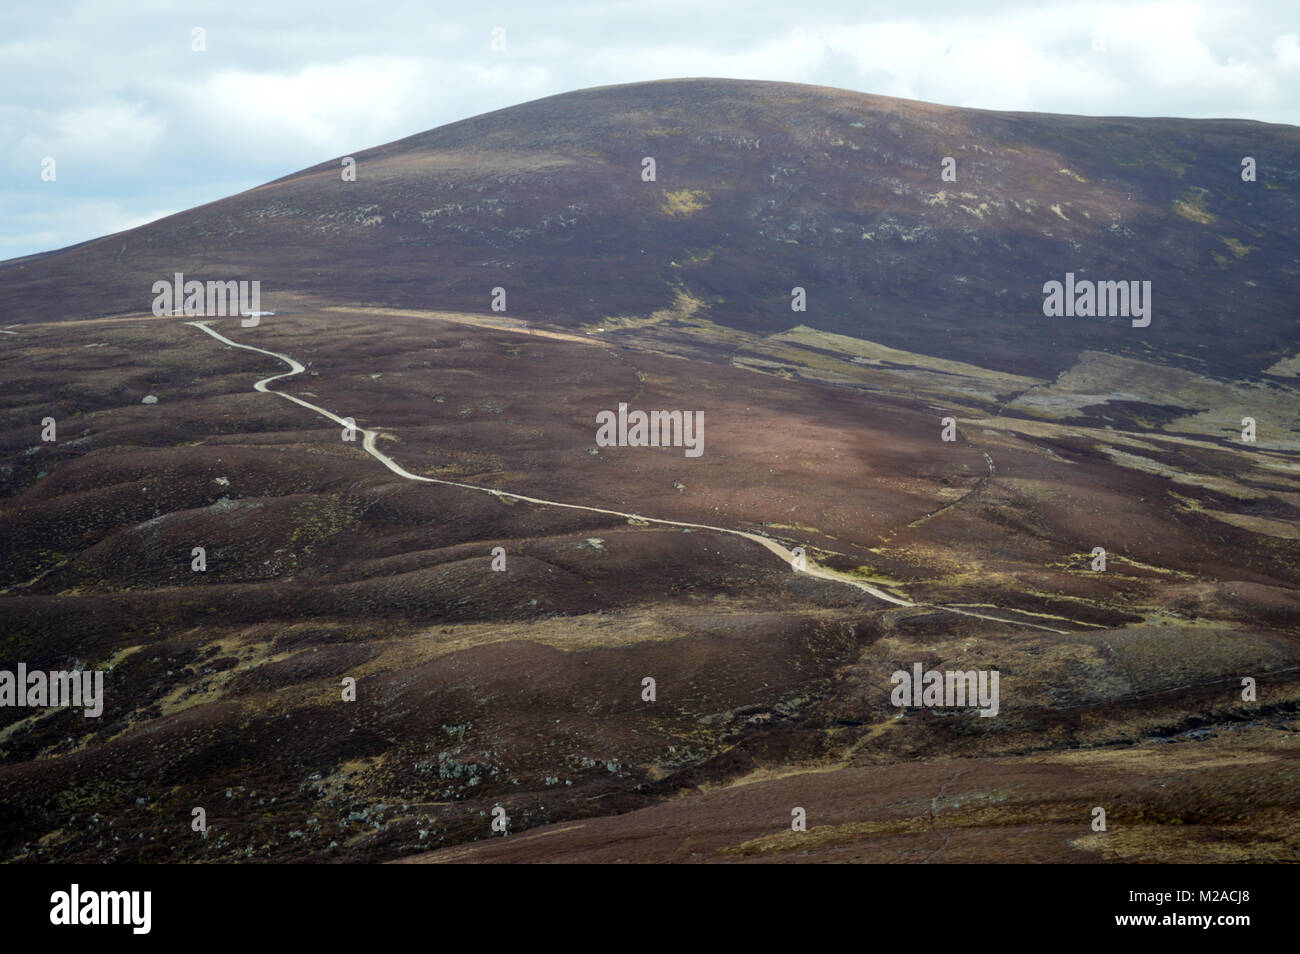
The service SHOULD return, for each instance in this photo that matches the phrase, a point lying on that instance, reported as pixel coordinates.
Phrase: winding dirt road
(368, 443)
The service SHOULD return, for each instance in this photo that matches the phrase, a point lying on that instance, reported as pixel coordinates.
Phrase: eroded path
(809, 569)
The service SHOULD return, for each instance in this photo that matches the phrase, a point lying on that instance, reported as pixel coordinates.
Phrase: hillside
(917, 470)
(761, 187)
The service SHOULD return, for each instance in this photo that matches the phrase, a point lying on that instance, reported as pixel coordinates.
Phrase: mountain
(389, 567)
(761, 187)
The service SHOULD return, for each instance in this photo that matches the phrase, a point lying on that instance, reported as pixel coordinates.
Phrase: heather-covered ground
(522, 688)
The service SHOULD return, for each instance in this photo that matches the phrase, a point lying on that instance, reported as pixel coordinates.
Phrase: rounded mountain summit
(760, 188)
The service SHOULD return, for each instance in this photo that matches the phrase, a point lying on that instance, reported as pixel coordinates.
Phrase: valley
(392, 637)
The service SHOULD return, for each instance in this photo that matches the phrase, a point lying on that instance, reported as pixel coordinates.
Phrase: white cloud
(37, 229)
(137, 120)
(1287, 50)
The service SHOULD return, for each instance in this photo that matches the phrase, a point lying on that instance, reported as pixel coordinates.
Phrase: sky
(140, 124)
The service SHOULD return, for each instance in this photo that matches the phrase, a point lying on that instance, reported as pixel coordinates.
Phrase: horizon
(147, 118)
(606, 86)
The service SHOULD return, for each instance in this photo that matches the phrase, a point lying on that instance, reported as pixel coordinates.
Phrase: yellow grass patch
(684, 202)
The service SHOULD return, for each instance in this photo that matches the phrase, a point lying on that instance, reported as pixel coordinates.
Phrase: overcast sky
(140, 125)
